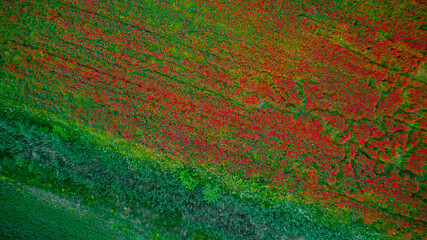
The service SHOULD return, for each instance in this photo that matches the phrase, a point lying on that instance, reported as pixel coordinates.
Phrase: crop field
(231, 119)
(27, 214)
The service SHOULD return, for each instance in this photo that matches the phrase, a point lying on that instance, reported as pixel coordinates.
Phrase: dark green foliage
(211, 193)
(57, 129)
(25, 215)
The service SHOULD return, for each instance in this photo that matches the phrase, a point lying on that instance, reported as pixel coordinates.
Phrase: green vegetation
(60, 131)
(211, 193)
(28, 214)
(131, 180)
(188, 179)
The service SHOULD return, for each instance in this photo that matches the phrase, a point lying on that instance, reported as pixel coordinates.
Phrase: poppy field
(316, 104)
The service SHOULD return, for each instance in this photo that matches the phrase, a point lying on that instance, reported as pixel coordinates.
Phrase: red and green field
(276, 104)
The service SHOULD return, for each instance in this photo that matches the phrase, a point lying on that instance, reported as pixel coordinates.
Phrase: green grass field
(28, 213)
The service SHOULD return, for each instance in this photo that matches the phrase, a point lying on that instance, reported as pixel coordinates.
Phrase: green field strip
(27, 215)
